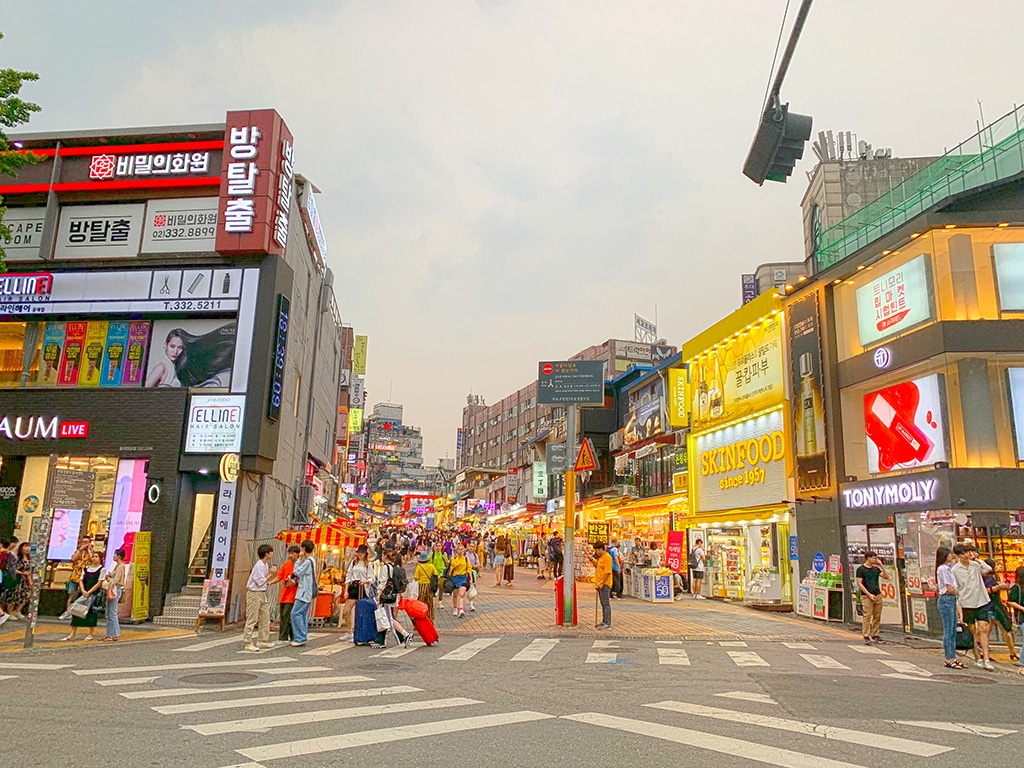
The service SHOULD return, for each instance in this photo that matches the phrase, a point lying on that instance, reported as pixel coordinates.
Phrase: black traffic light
(778, 144)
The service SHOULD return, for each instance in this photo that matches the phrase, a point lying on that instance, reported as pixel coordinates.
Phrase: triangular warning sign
(586, 461)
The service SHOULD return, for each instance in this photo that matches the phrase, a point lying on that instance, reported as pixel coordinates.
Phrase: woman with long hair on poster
(195, 361)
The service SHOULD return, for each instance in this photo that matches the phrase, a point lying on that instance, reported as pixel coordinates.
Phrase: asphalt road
(512, 701)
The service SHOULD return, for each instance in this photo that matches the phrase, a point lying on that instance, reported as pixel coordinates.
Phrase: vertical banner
(280, 354)
(359, 356)
(807, 399)
(71, 359)
(749, 288)
(138, 343)
(678, 397)
(53, 349)
(674, 551)
(114, 357)
(140, 575)
(223, 527)
(540, 480)
(93, 349)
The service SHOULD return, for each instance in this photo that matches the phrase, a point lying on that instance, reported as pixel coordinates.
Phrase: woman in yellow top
(462, 575)
(425, 573)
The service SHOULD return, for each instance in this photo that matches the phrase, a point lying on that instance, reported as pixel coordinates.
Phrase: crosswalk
(21, 667)
(295, 711)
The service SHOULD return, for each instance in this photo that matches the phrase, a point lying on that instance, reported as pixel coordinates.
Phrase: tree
(14, 111)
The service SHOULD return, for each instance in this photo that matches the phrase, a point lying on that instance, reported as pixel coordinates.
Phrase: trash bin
(560, 603)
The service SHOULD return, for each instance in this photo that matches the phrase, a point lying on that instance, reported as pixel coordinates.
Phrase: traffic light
(778, 144)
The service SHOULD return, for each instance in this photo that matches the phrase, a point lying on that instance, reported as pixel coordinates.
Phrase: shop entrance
(880, 539)
(204, 502)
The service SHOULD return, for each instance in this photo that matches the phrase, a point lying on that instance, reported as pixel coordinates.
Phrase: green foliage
(14, 111)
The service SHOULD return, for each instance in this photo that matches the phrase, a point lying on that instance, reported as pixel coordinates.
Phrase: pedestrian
(23, 589)
(489, 551)
(426, 578)
(461, 573)
(388, 592)
(114, 585)
(869, 576)
(359, 580)
(555, 554)
(257, 609)
(1015, 600)
(975, 600)
(81, 558)
(304, 574)
(945, 583)
(8, 574)
(286, 600)
(474, 563)
(1000, 614)
(93, 575)
(509, 571)
(440, 562)
(603, 584)
(697, 562)
(613, 552)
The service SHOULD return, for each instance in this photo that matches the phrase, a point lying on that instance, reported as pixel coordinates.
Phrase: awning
(329, 535)
(530, 442)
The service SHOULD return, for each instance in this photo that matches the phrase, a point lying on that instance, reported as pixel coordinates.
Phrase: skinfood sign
(743, 464)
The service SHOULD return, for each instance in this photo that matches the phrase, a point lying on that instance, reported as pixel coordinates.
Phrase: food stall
(332, 542)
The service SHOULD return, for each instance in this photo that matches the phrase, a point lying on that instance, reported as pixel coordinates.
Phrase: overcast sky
(508, 181)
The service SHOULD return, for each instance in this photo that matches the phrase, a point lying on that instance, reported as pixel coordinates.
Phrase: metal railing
(994, 153)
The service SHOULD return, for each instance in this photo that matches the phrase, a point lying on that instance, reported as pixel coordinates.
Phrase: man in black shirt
(868, 576)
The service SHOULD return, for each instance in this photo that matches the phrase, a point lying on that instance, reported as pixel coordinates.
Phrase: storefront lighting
(775, 312)
(886, 253)
(951, 226)
(789, 287)
(860, 267)
(756, 522)
(914, 235)
(849, 282)
(1004, 224)
(802, 279)
(837, 281)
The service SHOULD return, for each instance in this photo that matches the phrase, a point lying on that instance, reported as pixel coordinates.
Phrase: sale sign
(674, 551)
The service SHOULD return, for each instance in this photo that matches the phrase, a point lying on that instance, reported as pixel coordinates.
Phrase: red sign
(409, 503)
(548, 369)
(674, 551)
(73, 429)
(353, 505)
(26, 284)
(256, 187)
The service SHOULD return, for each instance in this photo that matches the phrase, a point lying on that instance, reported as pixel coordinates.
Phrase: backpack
(399, 582)
(694, 561)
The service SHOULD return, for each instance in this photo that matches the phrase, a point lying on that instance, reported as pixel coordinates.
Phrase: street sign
(554, 457)
(586, 461)
(571, 381)
(353, 505)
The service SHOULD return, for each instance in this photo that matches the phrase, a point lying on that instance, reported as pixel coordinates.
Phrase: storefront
(740, 456)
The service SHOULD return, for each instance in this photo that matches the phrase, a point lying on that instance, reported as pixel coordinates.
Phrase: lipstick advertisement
(904, 425)
(71, 360)
(49, 359)
(113, 359)
(134, 364)
(92, 351)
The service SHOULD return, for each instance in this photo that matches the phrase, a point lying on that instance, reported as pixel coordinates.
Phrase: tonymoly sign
(898, 494)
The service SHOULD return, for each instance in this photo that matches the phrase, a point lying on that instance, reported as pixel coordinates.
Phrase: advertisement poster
(803, 599)
(678, 397)
(743, 376)
(113, 357)
(646, 413)
(95, 345)
(807, 402)
(140, 575)
(674, 551)
(214, 602)
(184, 225)
(895, 301)
(64, 531)
(359, 356)
(50, 357)
(189, 352)
(1015, 376)
(71, 359)
(138, 343)
(904, 425)
(126, 510)
(215, 424)
(1009, 260)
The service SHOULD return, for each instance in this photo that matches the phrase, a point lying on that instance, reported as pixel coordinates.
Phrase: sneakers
(867, 641)
(4, 618)
(294, 644)
(980, 664)
(472, 607)
(64, 616)
(989, 666)
(252, 647)
(455, 613)
(878, 640)
(462, 614)
(604, 626)
(267, 645)
(699, 597)
(378, 646)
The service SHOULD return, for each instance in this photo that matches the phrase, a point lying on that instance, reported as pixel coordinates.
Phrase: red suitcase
(425, 629)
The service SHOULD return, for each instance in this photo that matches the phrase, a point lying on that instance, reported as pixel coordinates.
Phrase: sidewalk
(49, 631)
(528, 608)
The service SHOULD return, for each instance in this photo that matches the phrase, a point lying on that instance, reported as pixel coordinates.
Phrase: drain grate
(219, 678)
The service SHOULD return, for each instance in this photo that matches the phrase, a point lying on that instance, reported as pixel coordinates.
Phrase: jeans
(947, 610)
(113, 624)
(285, 630)
(300, 621)
(606, 605)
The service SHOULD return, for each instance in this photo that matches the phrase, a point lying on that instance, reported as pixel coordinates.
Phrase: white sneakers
(455, 613)
(4, 618)
(252, 647)
(699, 597)
(472, 607)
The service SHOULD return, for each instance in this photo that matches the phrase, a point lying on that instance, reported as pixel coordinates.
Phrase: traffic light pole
(569, 571)
(787, 56)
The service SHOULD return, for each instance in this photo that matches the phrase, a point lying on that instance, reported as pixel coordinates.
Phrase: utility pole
(569, 572)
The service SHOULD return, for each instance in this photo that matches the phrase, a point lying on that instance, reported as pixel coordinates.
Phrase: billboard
(190, 352)
(646, 413)
(904, 425)
(807, 402)
(895, 302)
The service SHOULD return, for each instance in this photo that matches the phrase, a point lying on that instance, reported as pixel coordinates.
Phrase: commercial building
(910, 333)
(168, 304)
(394, 452)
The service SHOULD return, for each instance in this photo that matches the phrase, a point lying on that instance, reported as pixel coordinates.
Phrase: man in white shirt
(975, 599)
(697, 560)
(257, 609)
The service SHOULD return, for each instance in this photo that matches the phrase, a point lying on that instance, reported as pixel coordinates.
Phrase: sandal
(1014, 657)
(956, 664)
(65, 639)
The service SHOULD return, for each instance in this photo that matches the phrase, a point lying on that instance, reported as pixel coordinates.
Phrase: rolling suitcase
(425, 629)
(365, 630)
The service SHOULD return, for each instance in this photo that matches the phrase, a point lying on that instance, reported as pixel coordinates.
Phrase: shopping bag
(81, 607)
(471, 592)
(382, 619)
(964, 637)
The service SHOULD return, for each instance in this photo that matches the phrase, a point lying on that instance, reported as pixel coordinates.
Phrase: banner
(359, 356)
(678, 397)
(807, 402)
(140, 575)
(674, 551)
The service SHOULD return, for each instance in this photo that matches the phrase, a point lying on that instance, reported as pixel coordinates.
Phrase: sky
(504, 182)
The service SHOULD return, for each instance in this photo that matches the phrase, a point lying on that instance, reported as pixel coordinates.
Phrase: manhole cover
(219, 678)
(966, 679)
(381, 665)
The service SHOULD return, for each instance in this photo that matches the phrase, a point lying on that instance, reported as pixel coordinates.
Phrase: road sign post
(569, 572)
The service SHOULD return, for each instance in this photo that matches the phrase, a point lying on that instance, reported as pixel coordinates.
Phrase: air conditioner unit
(303, 504)
(615, 441)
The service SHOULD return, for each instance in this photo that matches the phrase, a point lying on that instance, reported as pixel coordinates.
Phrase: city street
(817, 698)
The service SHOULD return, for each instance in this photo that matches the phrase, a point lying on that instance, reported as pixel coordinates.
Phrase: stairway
(199, 568)
(181, 609)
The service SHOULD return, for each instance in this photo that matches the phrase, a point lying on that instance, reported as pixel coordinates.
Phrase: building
(171, 350)
(906, 365)
(394, 452)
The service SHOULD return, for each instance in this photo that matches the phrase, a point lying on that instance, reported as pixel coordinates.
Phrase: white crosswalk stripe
(757, 698)
(386, 735)
(263, 724)
(711, 742)
(292, 670)
(733, 644)
(266, 701)
(905, 667)
(170, 667)
(536, 650)
(601, 658)
(875, 740)
(329, 650)
(673, 656)
(7, 677)
(396, 652)
(822, 662)
(470, 649)
(292, 682)
(987, 731)
(32, 667)
(208, 644)
(747, 659)
(870, 650)
(128, 681)
(803, 646)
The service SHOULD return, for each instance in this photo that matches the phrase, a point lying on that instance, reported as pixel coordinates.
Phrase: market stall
(331, 542)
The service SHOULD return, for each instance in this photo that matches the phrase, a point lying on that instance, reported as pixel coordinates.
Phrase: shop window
(946, 274)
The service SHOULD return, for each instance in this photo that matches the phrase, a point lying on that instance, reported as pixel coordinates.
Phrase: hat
(424, 557)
